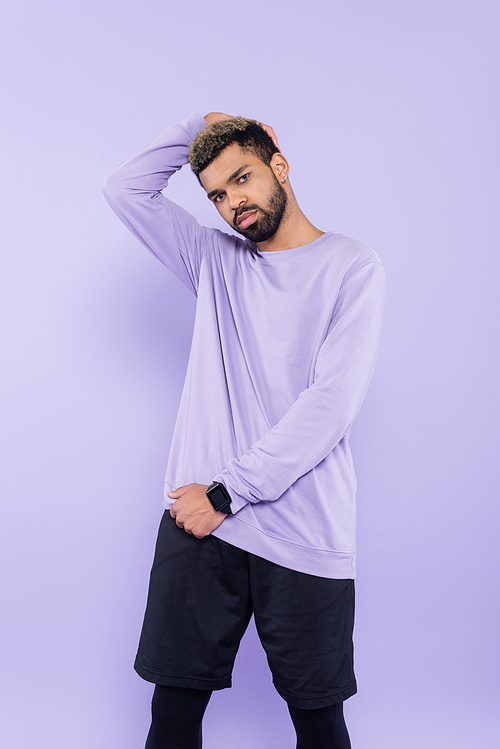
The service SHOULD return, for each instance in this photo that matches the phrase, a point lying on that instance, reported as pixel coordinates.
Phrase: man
(260, 488)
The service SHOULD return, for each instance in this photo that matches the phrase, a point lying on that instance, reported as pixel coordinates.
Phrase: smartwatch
(219, 497)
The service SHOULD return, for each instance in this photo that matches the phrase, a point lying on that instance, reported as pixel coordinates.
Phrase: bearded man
(260, 489)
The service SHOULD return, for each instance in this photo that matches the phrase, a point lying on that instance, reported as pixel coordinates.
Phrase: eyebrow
(230, 179)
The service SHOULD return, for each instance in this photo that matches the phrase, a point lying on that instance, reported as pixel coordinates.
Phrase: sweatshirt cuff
(237, 501)
(192, 124)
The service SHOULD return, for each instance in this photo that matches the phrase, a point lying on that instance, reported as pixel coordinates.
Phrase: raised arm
(133, 191)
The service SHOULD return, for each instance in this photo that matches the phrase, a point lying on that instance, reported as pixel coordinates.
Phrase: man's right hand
(217, 116)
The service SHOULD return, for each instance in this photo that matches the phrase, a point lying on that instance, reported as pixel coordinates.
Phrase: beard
(269, 219)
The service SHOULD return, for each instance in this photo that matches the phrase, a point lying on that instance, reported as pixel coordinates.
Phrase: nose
(235, 200)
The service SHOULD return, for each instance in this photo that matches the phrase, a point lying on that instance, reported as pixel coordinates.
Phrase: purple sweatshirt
(284, 346)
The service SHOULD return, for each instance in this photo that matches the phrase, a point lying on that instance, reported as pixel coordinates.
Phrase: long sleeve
(133, 191)
(324, 411)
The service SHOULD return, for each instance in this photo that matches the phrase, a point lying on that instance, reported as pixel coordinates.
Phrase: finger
(179, 491)
(269, 130)
(272, 134)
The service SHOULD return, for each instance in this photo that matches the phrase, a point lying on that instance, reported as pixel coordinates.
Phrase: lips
(246, 219)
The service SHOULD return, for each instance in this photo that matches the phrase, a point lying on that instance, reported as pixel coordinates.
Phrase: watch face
(219, 497)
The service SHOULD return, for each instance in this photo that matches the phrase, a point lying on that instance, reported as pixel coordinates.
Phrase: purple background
(388, 112)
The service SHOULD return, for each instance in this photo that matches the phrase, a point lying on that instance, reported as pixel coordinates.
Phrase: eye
(243, 177)
(218, 198)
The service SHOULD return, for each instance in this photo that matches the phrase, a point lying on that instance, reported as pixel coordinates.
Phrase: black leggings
(323, 728)
(178, 712)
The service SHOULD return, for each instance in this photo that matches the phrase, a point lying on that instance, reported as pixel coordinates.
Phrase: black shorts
(201, 597)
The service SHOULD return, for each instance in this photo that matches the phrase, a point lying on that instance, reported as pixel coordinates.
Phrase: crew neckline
(279, 255)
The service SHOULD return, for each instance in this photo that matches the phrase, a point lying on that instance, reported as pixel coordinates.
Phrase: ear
(280, 167)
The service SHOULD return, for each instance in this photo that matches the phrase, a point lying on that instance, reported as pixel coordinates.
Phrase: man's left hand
(193, 510)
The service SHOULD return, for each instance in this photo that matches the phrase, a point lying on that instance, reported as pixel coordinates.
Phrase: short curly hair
(214, 138)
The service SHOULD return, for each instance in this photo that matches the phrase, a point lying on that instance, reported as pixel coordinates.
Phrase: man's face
(246, 193)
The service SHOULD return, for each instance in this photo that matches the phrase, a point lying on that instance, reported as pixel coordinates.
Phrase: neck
(295, 229)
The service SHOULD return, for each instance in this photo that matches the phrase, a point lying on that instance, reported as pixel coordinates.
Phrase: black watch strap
(219, 497)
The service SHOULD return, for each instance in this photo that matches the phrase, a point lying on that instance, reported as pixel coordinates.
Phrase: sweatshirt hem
(311, 561)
